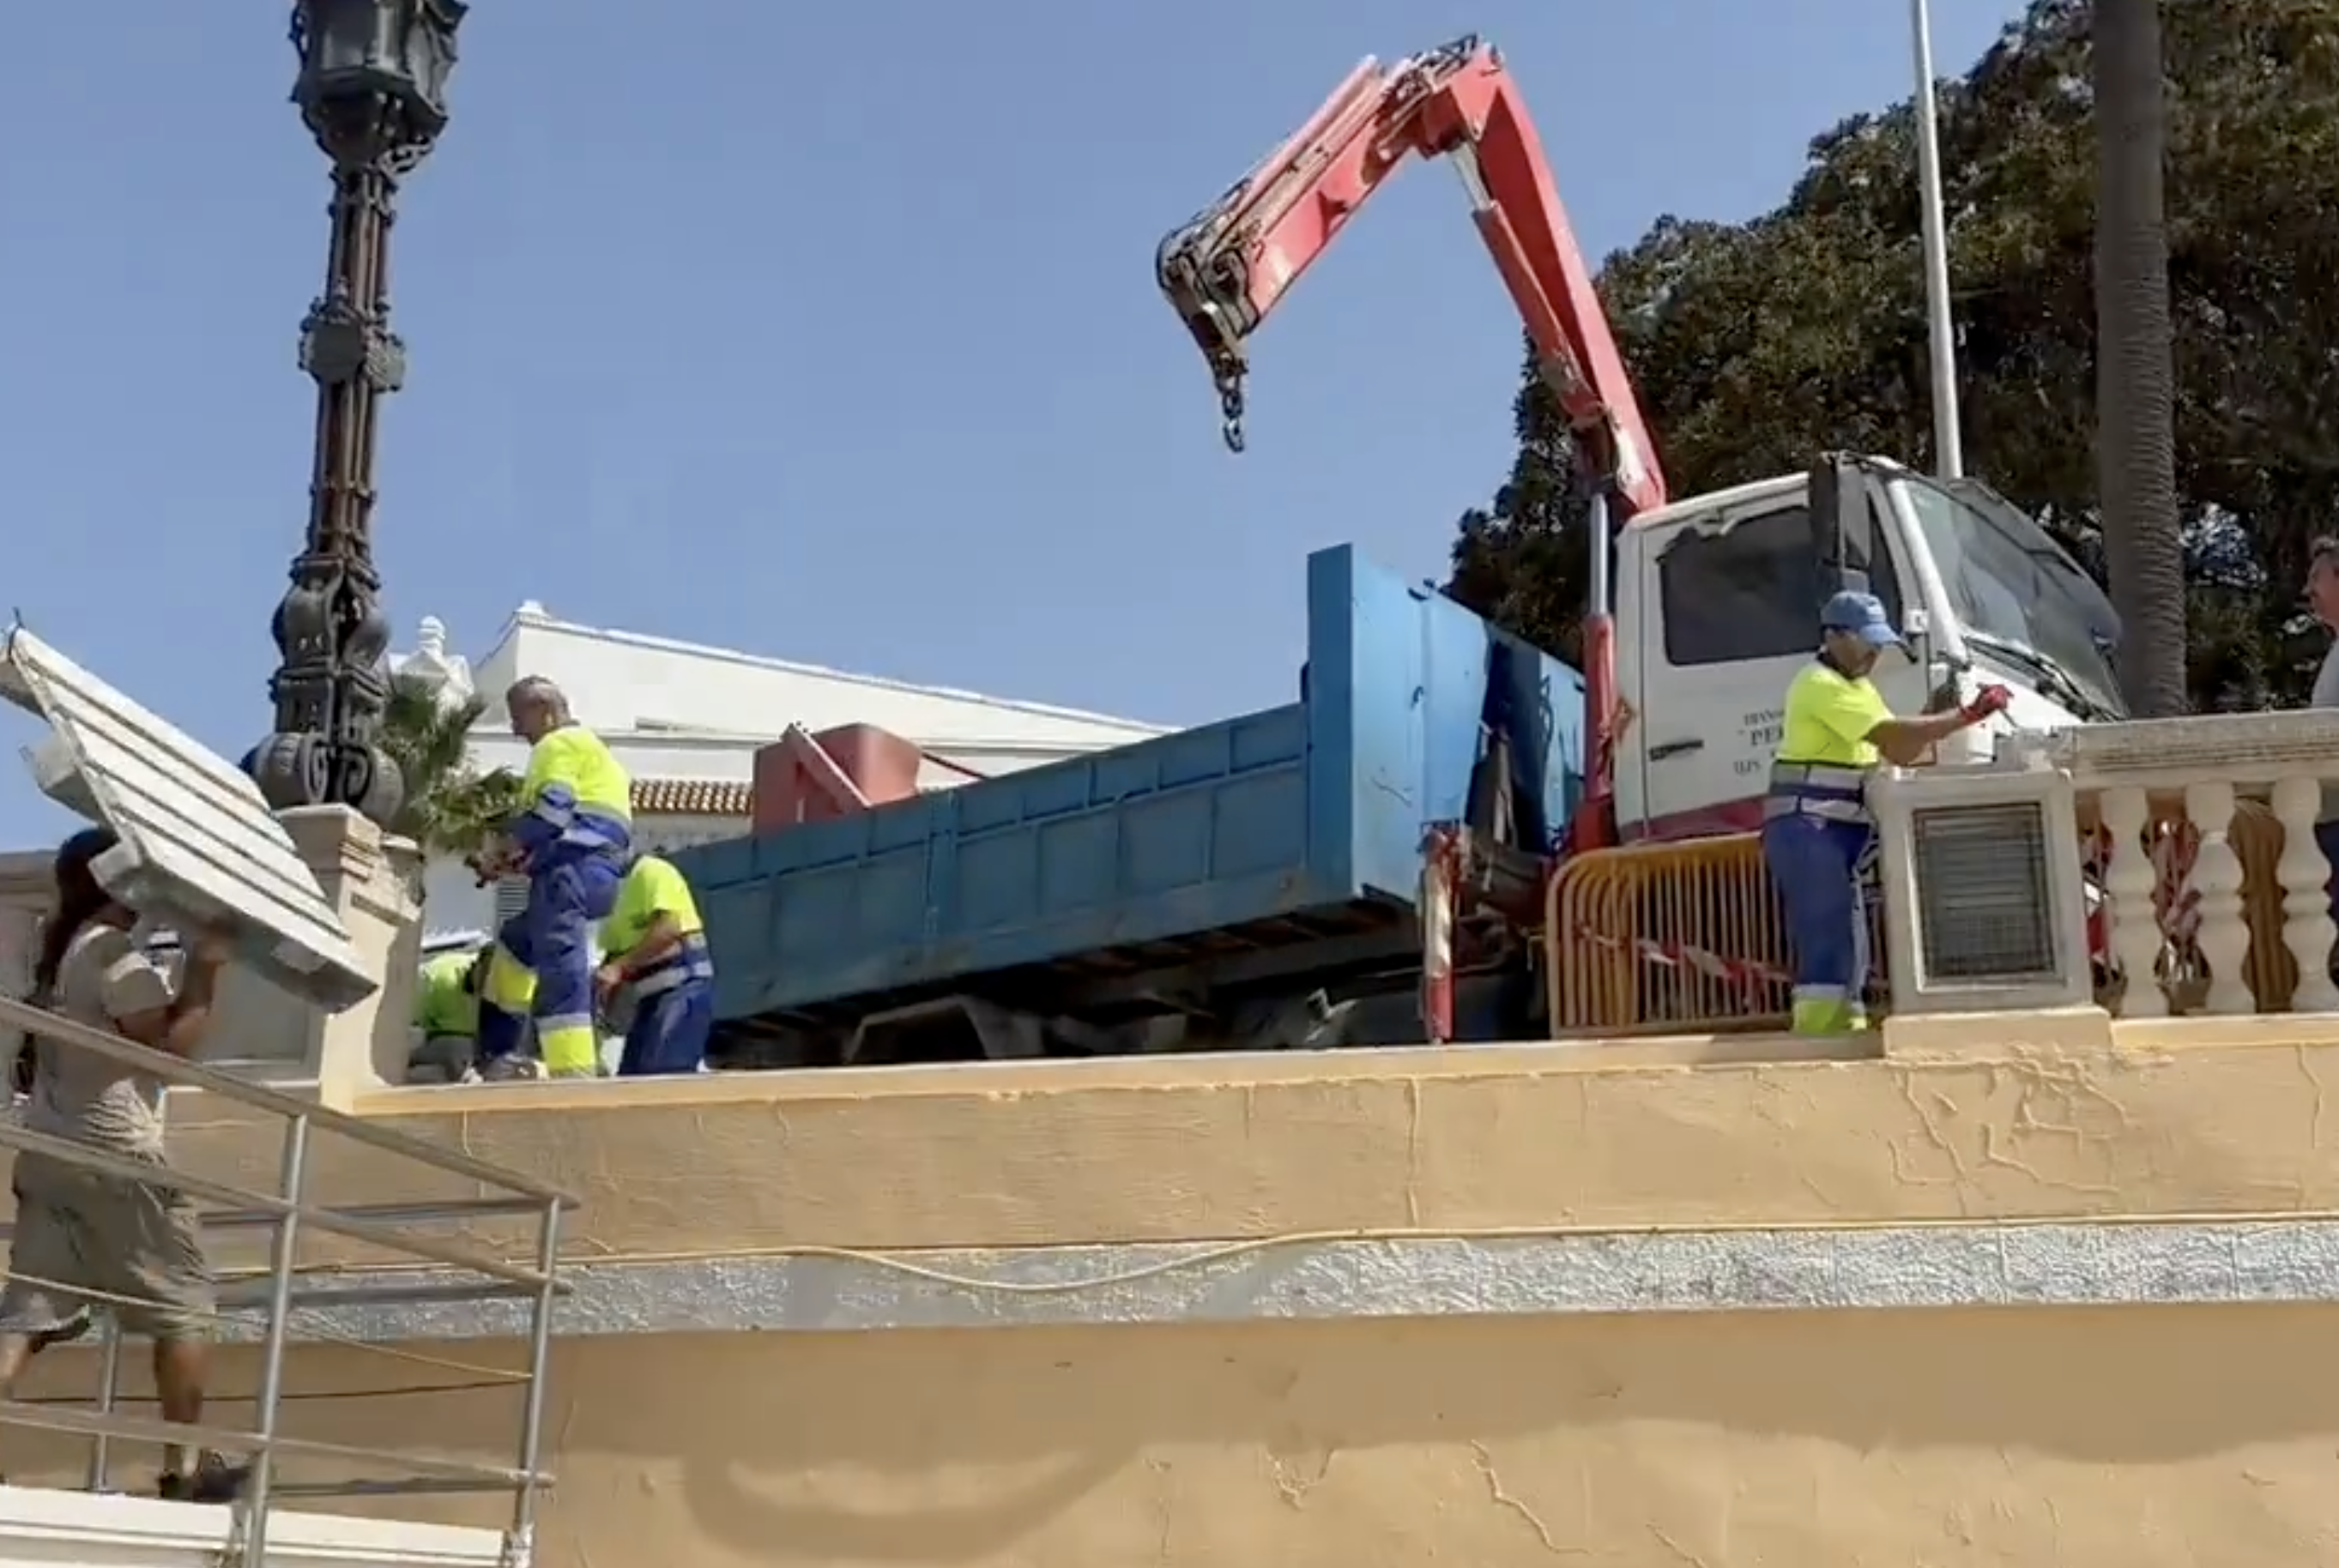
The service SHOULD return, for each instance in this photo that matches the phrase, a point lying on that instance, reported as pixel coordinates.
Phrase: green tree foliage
(452, 807)
(1758, 345)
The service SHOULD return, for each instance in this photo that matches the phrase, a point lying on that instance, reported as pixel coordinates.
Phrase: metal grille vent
(511, 898)
(1985, 909)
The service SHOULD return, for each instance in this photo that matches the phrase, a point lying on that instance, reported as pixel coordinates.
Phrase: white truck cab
(1717, 606)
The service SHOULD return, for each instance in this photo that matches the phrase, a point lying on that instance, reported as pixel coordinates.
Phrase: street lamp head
(379, 62)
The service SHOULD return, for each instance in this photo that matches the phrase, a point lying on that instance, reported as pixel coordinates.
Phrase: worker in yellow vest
(446, 1017)
(572, 838)
(654, 947)
(653, 952)
(1816, 827)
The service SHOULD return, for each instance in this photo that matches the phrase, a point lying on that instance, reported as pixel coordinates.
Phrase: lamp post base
(298, 770)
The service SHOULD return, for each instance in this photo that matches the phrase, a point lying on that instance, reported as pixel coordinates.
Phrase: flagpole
(1949, 447)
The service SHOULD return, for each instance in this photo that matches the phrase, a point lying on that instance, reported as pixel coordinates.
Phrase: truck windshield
(2013, 586)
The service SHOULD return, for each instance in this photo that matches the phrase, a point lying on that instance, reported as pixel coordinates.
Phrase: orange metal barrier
(1666, 938)
(1689, 938)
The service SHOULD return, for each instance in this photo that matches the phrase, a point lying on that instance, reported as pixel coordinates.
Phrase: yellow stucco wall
(2059, 1439)
(2190, 1119)
(2125, 1436)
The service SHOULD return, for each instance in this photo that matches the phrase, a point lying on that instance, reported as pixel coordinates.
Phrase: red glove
(1988, 701)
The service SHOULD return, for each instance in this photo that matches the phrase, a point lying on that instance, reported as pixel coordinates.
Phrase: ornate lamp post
(372, 91)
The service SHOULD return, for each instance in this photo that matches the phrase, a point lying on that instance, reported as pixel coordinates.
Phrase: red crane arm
(1226, 269)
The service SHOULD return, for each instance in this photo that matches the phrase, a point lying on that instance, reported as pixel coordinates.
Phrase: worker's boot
(64, 1333)
(214, 1479)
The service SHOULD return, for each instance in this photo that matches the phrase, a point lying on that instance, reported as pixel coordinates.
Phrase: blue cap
(1863, 615)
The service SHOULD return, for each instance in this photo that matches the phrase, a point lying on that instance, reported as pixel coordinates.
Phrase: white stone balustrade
(2250, 788)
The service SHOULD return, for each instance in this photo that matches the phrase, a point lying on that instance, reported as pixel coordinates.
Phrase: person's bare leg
(15, 1351)
(180, 1368)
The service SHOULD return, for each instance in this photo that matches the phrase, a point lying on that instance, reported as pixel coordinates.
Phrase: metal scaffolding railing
(477, 1275)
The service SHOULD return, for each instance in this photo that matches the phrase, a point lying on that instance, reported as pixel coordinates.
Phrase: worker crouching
(572, 838)
(1816, 826)
(446, 1017)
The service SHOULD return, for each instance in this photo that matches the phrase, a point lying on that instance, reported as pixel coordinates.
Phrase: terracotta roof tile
(691, 797)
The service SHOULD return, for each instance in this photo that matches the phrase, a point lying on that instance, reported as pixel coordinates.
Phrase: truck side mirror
(1917, 628)
(1843, 534)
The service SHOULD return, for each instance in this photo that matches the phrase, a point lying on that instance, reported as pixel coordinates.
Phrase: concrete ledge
(39, 1526)
(1321, 1278)
(2291, 1028)
(1195, 1071)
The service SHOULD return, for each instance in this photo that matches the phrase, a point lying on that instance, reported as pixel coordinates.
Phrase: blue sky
(824, 332)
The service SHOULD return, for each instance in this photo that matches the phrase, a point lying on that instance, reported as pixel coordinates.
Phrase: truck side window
(1750, 593)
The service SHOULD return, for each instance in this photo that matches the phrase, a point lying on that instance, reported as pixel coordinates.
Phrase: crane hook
(1230, 410)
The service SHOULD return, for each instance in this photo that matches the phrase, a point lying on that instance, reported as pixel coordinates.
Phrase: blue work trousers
(570, 888)
(1815, 863)
(669, 1031)
(2327, 839)
(502, 1033)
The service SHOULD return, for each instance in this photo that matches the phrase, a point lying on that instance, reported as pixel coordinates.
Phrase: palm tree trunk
(2136, 372)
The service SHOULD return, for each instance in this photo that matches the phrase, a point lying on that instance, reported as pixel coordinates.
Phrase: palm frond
(427, 736)
(452, 807)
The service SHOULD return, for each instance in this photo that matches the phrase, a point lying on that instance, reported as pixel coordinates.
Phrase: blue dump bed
(1279, 827)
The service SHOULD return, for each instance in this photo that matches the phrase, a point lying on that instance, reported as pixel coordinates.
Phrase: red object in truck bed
(805, 777)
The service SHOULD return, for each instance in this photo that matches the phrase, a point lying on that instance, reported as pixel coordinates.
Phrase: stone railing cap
(2238, 748)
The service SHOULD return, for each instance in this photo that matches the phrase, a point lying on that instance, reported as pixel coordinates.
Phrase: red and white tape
(1441, 891)
(1743, 974)
(2175, 903)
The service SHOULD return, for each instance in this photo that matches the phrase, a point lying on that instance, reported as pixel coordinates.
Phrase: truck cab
(1717, 600)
